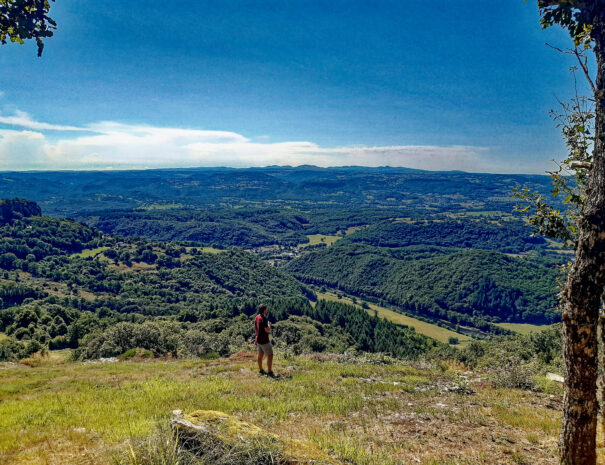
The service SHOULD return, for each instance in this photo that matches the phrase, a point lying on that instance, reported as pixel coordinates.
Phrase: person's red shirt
(260, 325)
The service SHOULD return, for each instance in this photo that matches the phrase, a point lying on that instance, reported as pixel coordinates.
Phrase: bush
(160, 337)
(136, 353)
(200, 344)
(510, 361)
(512, 374)
(11, 350)
(58, 343)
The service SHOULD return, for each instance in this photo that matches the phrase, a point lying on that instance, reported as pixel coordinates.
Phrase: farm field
(86, 253)
(315, 239)
(212, 250)
(522, 328)
(422, 327)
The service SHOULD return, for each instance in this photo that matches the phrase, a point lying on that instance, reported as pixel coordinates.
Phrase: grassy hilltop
(365, 411)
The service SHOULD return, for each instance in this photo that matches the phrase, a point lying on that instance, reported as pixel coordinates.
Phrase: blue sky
(434, 84)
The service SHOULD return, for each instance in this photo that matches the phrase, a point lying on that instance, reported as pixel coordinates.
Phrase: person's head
(262, 309)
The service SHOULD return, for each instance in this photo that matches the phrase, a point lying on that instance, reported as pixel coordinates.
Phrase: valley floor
(359, 410)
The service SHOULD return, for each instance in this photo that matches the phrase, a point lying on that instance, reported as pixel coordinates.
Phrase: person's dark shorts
(266, 349)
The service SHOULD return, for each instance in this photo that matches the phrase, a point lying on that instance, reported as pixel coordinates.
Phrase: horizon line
(334, 167)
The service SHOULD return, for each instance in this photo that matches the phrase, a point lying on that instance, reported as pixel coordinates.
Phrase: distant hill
(71, 193)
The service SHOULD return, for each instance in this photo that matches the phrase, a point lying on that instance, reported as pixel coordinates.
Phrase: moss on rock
(216, 433)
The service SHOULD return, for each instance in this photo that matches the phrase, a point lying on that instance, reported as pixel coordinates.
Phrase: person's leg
(260, 360)
(269, 363)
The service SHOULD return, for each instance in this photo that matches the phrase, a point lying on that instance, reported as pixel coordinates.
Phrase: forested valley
(183, 279)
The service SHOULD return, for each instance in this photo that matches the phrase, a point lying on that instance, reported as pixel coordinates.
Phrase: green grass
(315, 239)
(523, 328)
(123, 400)
(64, 412)
(421, 327)
(212, 250)
(86, 253)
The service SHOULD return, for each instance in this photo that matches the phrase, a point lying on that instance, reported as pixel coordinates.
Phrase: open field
(315, 239)
(558, 248)
(133, 267)
(361, 412)
(352, 229)
(212, 250)
(422, 327)
(523, 328)
(90, 252)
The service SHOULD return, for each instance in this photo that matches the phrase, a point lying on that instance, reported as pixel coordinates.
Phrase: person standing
(262, 327)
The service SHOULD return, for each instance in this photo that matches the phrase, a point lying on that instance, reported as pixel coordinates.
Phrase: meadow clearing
(421, 327)
(365, 411)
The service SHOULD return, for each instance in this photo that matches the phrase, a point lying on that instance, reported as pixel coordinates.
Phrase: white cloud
(23, 120)
(112, 145)
(22, 150)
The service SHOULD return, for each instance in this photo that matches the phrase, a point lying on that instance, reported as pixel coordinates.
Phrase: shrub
(199, 343)
(160, 337)
(136, 353)
(513, 374)
(11, 349)
(58, 343)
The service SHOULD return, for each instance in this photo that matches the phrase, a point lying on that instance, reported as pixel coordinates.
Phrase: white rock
(555, 377)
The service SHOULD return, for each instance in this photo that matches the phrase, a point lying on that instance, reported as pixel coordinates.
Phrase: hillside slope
(64, 284)
(371, 411)
(467, 287)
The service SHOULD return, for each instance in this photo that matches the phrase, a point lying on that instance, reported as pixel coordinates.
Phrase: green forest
(467, 287)
(64, 284)
(163, 297)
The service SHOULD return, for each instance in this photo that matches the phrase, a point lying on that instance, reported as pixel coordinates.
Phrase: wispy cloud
(113, 145)
(24, 120)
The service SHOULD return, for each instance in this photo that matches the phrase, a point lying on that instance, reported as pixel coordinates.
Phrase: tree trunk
(581, 296)
(601, 382)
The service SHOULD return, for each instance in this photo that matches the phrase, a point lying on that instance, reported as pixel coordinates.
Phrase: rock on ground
(216, 434)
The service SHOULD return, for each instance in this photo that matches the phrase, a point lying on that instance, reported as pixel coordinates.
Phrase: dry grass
(523, 328)
(315, 239)
(421, 327)
(61, 412)
(134, 268)
(352, 229)
(212, 250)
(86, 253)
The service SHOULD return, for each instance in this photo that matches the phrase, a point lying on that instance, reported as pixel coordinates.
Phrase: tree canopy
(22, 20)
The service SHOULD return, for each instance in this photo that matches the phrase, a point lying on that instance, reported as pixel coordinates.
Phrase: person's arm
(268, 328)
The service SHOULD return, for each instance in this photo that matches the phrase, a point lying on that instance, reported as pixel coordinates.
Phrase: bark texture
(581, 297)
(601, 382)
